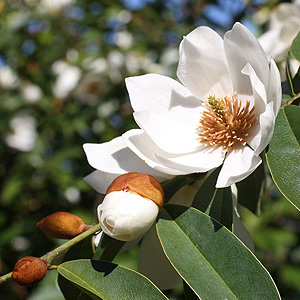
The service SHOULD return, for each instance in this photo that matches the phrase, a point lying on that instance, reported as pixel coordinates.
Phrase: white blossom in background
(124, 16)
(23, 133)
(53, 7)
(106, 109)
(72, 194)
(284, 26)
(139, 62)
(168, 59)
(116, 61)
(31, 93)
(8, 78)
(67, 79)
(99, 65)
(223, 113)
(89, 89)
(72, 55)
(123, 39)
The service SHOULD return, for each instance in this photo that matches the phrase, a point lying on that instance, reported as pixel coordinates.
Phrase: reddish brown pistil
(225, 121)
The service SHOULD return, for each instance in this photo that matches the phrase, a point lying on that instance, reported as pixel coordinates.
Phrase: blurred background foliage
(62, 70)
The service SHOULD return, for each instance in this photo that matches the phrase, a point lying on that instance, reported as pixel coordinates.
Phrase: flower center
(225, 121)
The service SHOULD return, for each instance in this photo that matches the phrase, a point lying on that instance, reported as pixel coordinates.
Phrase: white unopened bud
(127, 210)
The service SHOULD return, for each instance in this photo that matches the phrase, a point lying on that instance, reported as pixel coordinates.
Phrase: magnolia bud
(29, 270)
(130, 206)
(62, 225)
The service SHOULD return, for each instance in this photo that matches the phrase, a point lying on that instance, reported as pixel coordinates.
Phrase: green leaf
(205, 194)
(283, 155)
(286, 97)
(295, 48)
(71, 291)
(296, 82)
(80, 250)
(215, 202)
(108, 281)
(250, 189)
(222, 207)
(212, 261)
(289, 77)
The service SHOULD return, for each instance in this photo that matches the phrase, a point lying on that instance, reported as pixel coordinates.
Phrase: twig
(49, 256)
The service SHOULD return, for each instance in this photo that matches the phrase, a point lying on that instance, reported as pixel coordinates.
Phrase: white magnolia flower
(223, 113)
(229, 99)
(283, 28)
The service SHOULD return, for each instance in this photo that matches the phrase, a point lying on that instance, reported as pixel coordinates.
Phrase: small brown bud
(62, 225)
(142, 184)
(29, 270)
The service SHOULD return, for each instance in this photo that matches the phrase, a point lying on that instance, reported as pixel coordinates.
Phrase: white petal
(115, 157)
(154, 264)
(274, 92)
(261, 133)
(205, 159)
(145, 149)
(172, 136)
(267, 124)
(241, 47)
(154, 93)
(202, 64)
(239, 163)
(100, 181)
(234, 194)
(258, 90)
(260, 100)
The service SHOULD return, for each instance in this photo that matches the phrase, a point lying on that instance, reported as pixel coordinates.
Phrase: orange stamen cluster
(225, 121)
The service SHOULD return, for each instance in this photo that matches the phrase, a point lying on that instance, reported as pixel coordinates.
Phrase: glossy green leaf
(283, 155)
(289, 76)
(215, 202)
(222, 207)
(295, 48)
(108, 281)
(250, 189)
(213, 261)
(81, 250)
(296, 86)
(71, 291)
(205, 194)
